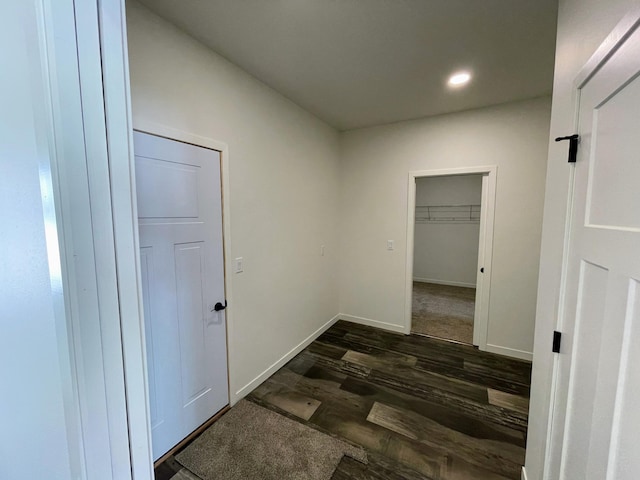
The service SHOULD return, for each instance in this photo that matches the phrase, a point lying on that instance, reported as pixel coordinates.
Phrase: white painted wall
(447, 252)
(582, 26)
(284, 183)
(376, 162)
(35, 377)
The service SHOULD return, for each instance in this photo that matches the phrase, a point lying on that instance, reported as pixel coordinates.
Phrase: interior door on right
(596, 418)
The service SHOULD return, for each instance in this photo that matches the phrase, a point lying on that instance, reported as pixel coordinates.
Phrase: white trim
(629, 23)
(115, 66)
(46, 108)
(451, 283)
(523, 476)
(443, 172)
(558, 320)
(510, 352)
(86, 228)
(485, 247)
(90, 60)
(274, 367)
(373, 323)
(171, 133)
(86, 59)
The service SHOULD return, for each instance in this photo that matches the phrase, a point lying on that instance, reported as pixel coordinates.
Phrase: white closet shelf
(447, 214)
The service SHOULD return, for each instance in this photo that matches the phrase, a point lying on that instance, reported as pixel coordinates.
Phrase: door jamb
(485, 247)
(132, 414)
(90, 152)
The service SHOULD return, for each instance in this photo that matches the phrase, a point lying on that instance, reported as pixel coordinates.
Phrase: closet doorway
(449, 253)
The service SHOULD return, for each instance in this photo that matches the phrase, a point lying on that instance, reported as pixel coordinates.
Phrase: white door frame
(105, 25)
(90, 144)
(485, 247)
(117, 115)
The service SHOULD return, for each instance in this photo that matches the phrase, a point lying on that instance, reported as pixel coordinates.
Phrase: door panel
(180, 225)
(191, 319)
(615, 134)
(588, 329)
(625, 461)
(177, 181)
(593, 434)
(146, 264)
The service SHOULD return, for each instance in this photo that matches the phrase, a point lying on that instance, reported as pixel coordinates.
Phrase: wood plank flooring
(421, 407)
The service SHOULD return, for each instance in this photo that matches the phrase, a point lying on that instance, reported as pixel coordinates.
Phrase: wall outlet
(239, 265)
(389, 244)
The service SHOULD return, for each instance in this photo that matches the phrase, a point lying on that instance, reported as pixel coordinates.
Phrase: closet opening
(449, 256)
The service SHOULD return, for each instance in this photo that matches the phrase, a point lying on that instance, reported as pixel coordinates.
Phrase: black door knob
(218, 306)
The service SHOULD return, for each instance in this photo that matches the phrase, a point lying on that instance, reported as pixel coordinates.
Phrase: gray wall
(447, 252)
(375, 166)
(284, 187)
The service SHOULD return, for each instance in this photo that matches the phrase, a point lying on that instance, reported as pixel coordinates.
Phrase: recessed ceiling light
(459, 79)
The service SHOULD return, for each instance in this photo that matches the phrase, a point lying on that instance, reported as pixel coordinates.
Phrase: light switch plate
(239, 265)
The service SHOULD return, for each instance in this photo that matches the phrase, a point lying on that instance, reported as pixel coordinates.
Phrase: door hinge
(557, 339)
(573, 146)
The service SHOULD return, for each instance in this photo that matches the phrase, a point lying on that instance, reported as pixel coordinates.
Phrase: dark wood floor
(421, 407)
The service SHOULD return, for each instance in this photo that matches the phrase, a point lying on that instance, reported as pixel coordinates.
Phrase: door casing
(485, 248)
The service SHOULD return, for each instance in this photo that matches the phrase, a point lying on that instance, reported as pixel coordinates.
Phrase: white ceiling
(357, 63)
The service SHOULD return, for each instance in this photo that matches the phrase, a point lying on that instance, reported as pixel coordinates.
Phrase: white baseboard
(509, 352)
(249, 387)
(451, 283)
(524, 474)
(372, 323)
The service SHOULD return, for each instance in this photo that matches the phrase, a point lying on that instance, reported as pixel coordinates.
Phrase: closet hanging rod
(466, 213)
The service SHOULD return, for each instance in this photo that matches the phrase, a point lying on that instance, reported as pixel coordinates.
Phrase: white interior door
(596, 419)
(482, 269)
(182, 270)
